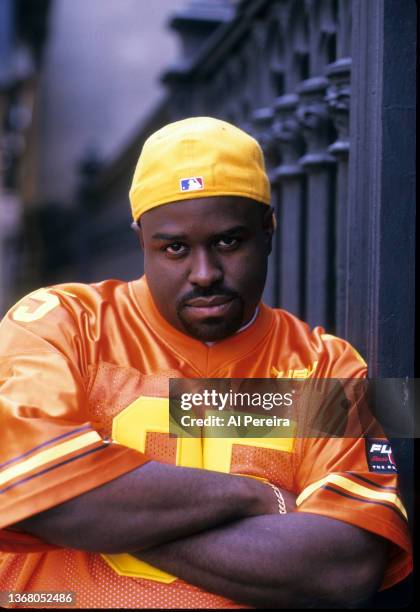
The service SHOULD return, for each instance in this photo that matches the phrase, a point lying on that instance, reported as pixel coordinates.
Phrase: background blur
(326, 86)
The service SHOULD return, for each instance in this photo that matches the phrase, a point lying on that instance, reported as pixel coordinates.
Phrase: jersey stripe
(359, 499)
(49, 455)
(47, 443)
(372, 482)
(352, 487)
(54, 467)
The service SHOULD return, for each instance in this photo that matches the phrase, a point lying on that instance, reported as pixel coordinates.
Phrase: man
(149, 520)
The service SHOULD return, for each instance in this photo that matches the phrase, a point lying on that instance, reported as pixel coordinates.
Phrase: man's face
(206, 262)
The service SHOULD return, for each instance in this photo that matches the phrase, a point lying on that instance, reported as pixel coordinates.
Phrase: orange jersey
(83, 366)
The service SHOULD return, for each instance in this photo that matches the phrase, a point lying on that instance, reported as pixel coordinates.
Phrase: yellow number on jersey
(217, 452)
(49, 301)
(130, 428)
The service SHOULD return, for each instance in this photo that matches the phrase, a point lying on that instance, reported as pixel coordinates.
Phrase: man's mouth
(214, 306)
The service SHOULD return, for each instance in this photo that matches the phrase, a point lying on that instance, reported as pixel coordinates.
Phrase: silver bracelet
(280, 498)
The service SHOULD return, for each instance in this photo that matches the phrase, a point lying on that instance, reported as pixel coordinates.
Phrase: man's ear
(139, 231)
(269, 226)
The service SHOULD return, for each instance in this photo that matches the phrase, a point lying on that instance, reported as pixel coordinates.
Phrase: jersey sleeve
(355, 479)
(50, 452)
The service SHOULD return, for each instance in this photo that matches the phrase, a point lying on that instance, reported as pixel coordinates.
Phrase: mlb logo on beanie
(191, 184)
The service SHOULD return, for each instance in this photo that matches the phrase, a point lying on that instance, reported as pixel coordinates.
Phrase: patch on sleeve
(379, 456)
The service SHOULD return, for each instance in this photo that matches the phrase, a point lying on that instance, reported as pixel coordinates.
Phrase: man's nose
(205, 269)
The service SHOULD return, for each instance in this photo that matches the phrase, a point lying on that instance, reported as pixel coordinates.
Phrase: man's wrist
(279, 497)
(259, 498)
(266, 498)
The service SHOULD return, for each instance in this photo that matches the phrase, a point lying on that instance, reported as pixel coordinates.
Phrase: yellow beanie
(196, 158)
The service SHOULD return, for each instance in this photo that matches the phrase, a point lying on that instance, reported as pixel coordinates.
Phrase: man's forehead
(215, 210)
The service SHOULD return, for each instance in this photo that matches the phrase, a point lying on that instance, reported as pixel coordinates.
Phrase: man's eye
(176, 248)
(227, 242)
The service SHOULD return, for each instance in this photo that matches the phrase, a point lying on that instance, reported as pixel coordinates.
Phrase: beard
(211, 329)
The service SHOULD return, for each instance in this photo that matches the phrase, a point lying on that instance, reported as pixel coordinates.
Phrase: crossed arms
(223, 533)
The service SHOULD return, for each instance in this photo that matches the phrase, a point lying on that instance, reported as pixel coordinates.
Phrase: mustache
(207, 293)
